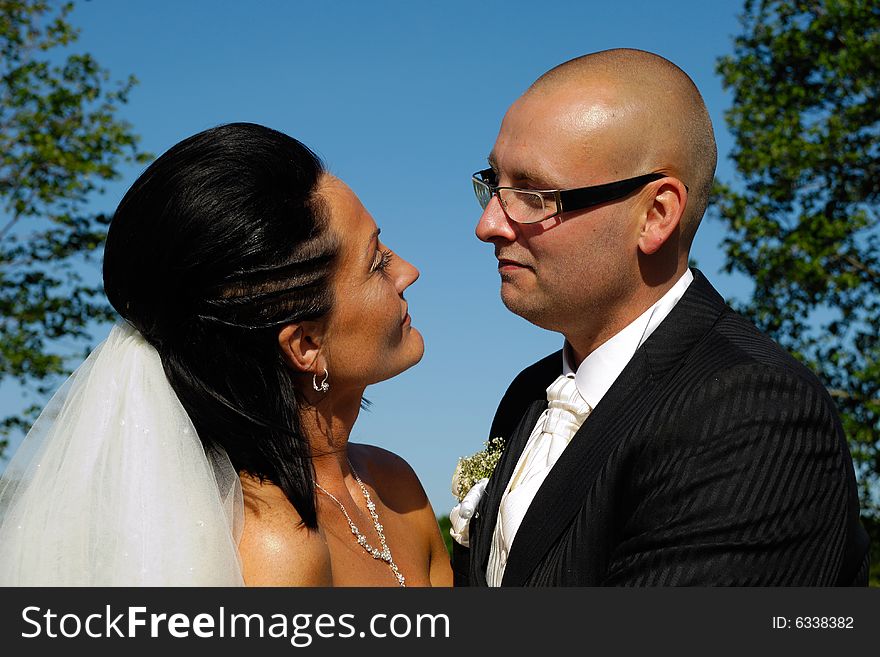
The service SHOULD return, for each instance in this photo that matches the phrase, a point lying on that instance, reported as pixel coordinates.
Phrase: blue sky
(403, 100)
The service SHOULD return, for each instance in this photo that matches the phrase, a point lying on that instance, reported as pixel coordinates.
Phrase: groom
(669, 442)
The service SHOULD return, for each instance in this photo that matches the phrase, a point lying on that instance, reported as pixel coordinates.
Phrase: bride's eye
(382, 260)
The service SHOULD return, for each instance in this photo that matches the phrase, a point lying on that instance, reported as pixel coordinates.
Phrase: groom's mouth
(505, 265)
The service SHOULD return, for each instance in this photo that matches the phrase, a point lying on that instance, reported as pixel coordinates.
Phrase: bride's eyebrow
(373, 238)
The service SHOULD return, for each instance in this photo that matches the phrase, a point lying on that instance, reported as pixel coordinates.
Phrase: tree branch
(9, 225)
(861, 266)
(845, 395)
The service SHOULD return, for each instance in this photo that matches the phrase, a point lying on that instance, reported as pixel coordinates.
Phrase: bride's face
(370, 336)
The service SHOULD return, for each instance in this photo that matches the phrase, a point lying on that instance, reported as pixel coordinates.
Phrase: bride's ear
(301, 346)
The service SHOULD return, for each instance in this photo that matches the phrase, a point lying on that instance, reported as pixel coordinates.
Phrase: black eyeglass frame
(569, 200)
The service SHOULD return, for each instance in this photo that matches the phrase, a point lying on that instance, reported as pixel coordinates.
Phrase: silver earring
(323, 386)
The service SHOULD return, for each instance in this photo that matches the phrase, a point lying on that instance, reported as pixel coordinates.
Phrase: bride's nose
(407, 275)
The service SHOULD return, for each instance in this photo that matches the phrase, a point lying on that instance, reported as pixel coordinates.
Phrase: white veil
(112, 487)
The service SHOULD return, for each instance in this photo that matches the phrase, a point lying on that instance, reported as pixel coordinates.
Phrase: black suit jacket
(715, 458)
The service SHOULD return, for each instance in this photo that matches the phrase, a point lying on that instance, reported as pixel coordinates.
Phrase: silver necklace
(385, 553)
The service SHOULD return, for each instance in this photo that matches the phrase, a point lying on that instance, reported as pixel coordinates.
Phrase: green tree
(803, 217)
(445, 526)
(60, 141)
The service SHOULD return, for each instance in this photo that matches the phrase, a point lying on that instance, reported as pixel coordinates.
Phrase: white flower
(456, 480)
(468, 485)
(470, 469)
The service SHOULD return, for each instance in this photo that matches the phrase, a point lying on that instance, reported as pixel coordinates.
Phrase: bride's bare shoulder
(276, 548)
(402, 492)
(390, 474)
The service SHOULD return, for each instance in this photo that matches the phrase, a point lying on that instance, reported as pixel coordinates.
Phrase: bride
(205, 441)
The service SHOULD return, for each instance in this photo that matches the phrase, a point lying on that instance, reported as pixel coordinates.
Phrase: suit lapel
(483, 526)
(566, 487)
(563, 491)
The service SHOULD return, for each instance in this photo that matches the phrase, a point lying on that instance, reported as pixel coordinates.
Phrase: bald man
(669, 442)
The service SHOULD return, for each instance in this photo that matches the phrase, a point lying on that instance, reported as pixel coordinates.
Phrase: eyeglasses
(529, 206)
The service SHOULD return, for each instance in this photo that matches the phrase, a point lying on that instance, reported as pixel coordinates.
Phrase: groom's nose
(494, 224)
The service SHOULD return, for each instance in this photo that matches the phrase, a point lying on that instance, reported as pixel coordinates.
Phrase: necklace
(385, 553)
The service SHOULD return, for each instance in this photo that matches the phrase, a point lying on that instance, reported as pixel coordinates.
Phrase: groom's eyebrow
(519, 175)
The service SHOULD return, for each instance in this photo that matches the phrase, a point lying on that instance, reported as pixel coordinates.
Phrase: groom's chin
(517, 300)
(522, 304)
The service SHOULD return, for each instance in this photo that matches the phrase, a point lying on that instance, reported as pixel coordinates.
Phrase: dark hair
(221, 242)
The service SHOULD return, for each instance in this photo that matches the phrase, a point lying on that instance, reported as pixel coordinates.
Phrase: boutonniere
(471, 469)
(468, 485)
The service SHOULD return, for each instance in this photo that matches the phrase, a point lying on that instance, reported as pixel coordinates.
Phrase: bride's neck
(328, 425)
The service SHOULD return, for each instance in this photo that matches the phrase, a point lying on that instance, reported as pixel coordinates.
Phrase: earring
(323, 386)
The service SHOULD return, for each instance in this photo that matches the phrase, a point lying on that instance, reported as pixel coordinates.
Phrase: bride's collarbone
(278, 549)
(353, 565)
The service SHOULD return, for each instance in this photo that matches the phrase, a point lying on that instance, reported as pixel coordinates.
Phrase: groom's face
(563, 270)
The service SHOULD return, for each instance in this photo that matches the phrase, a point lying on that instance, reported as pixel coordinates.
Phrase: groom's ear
(301, 346)
(662, 217)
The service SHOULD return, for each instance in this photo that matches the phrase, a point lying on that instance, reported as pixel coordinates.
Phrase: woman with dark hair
(206, 440)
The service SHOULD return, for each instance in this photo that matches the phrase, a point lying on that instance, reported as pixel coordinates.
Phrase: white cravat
(565, 413)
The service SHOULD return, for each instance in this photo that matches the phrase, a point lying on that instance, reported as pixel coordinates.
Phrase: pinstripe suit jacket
(714, 459)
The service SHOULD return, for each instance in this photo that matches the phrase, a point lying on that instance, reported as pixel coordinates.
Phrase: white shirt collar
(602, 367)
